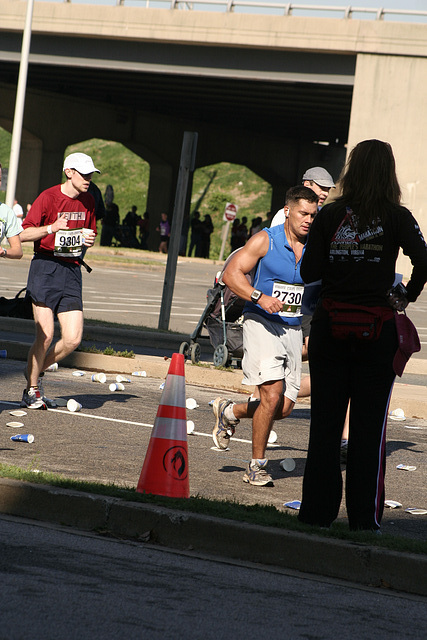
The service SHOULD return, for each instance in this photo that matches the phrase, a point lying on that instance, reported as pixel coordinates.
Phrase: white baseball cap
(81, 163)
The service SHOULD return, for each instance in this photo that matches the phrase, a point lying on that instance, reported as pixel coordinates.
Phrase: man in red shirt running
(61, 222)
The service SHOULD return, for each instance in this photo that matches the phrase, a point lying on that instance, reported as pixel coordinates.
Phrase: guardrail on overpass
(279, 8)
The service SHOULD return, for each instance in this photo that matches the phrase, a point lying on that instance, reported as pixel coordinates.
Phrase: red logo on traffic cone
(165, 468)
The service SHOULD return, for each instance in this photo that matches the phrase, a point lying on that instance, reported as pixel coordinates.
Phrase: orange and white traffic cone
(165, 468)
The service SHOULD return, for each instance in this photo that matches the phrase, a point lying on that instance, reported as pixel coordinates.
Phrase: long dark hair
(369, 183)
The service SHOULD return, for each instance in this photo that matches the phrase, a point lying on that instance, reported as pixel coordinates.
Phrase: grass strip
(262, 515)
(108, 351)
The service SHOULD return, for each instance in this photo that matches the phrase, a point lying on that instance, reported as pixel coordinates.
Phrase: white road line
(126, 304)
(90, 415)
(86, 415)
(112, 269)
(148, 313)
(149, 303)
(115, 297)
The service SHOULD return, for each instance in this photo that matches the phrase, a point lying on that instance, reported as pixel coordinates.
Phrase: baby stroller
(222, 318)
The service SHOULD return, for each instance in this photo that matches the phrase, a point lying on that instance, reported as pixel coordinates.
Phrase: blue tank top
(276, 269)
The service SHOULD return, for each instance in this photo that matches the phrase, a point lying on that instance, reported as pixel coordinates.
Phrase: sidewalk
(364, 564)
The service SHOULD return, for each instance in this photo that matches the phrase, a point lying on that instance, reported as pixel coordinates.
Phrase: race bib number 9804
(291, 297)
(68, 243)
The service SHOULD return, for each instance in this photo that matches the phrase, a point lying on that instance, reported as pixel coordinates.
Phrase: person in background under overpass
(316, 178)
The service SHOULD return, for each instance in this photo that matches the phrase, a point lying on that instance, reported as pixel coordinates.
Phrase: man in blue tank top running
(272, 339)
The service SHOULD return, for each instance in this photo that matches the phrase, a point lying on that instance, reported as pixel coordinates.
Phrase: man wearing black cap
(316, 178)
(61, 222)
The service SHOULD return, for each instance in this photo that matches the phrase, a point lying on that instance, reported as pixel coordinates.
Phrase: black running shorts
(55, 283)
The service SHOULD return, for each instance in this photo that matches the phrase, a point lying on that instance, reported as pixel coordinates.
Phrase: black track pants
(340, 371)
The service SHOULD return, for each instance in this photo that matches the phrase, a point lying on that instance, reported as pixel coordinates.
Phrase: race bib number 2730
(291, 296)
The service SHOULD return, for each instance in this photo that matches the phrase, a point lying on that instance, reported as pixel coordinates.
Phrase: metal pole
(224, 239)
(19, 107)
(186, 165)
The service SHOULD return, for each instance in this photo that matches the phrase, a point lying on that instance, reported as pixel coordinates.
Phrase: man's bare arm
(30, 234)
(15, 251)
(242, 263)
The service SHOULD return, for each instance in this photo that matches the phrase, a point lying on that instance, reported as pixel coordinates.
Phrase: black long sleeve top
(359, 267)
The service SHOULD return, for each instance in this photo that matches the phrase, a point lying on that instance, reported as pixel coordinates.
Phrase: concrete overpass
(261, 91)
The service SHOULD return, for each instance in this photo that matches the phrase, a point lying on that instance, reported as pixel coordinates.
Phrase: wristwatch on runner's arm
(256, 295)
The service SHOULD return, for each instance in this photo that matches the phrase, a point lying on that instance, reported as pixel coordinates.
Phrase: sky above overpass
(407, 5)
(403, 5)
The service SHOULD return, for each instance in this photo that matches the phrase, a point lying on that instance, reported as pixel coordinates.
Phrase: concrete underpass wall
(389, 103)
(30, 160)
(52, 123)
(157, 140)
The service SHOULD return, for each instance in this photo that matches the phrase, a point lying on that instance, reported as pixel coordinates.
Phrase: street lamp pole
(19, 107)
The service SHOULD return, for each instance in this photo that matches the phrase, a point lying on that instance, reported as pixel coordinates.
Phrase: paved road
(58, 583)
(108, 439)
(132, 294)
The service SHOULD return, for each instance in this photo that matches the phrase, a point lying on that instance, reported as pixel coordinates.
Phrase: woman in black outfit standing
(352, 247)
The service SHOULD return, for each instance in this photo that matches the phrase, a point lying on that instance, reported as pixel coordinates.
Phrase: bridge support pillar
(389, 99)
(278, 196)
(30, 160)
(51, 168)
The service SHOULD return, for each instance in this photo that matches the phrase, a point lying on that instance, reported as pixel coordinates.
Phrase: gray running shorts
(271, 351)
